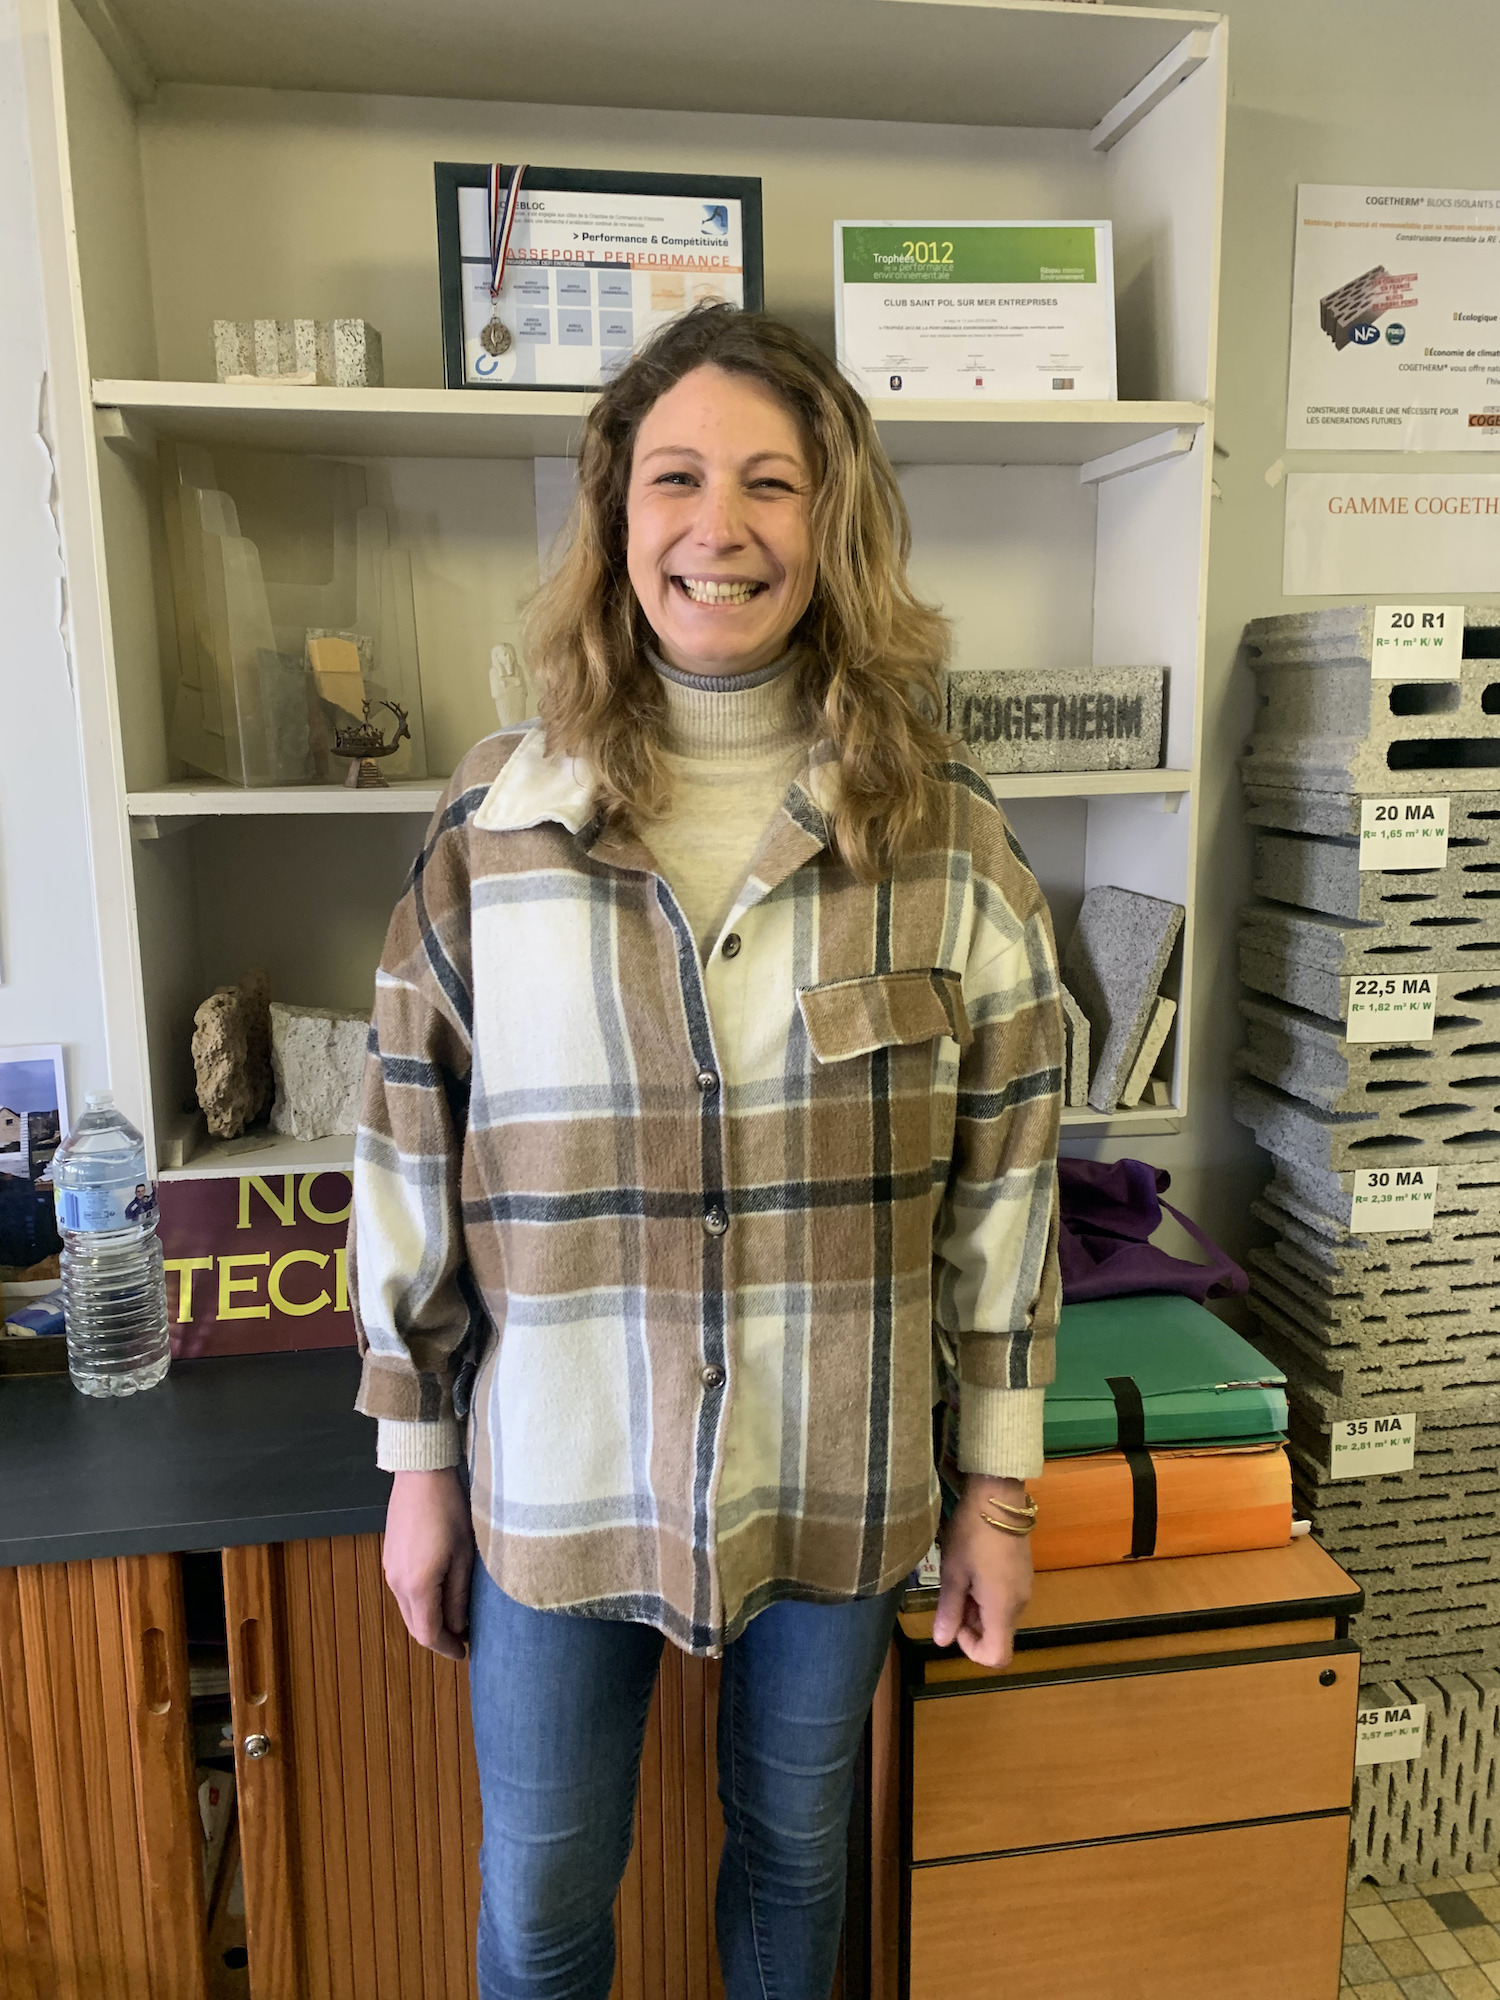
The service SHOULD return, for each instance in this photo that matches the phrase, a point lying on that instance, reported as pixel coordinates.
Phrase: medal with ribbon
(496, 337)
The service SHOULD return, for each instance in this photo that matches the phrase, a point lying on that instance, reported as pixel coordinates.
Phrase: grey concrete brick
(1338, 1142)
(1416, 1371)
(1389, 1273)
(1468, 1196)
(1076, 1050)
(1439, 1814)
(1325, 726)
(1059, 719)
(1473, 817)
(1344, 949)
(1113, 966)
(1325, 875)
(1309, 1057)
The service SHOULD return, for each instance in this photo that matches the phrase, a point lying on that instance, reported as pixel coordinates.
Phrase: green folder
(1180, 1376)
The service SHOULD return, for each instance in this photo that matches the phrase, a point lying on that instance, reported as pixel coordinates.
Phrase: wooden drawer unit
(1122, 1813)
(1241, 1913)
(1036, 1763)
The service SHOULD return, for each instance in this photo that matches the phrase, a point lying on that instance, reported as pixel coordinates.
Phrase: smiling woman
(710, 1120)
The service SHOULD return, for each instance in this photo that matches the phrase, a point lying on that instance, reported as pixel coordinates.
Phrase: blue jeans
(560, 1706)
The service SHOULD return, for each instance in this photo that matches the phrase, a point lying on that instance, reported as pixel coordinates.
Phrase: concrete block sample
(1468, 1200)
(1325, 875)
(1113, 966)
(1152, 1043)
(1349, 950)
(303, 353)
(1315, 990)
(318, 1054)
(1310, 1058)
(1473, 817)
(1075, 1051)
(1339, 1142)
(1064, 719)
(1324, 725)
(1417, 1373)
(1438, 1814)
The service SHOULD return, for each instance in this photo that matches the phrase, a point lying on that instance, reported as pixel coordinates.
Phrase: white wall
(49, 967)
(1321, 90)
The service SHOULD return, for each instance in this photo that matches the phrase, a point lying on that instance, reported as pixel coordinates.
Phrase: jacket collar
(534, 788)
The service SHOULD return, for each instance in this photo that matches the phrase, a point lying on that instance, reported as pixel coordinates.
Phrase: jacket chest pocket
(883, 1010)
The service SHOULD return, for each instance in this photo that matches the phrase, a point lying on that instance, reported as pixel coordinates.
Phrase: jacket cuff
(1000, 1431)
(404, 1447)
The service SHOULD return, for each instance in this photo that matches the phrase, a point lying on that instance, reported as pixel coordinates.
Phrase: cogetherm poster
(1395, 320)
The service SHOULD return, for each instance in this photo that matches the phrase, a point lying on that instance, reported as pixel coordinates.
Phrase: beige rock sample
(232, 1055)
(318, 1056)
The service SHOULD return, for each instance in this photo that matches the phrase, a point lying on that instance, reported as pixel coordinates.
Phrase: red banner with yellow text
(256, 1262)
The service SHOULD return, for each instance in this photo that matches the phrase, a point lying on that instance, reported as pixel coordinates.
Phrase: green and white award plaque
(1019, 311)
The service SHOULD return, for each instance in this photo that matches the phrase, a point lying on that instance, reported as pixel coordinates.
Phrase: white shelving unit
(194, 162)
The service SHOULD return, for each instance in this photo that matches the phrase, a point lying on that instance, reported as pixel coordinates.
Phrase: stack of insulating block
(1437, 1813)
(1367, 1325)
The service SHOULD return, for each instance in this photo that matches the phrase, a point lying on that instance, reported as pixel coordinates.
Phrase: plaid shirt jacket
(605, 1192)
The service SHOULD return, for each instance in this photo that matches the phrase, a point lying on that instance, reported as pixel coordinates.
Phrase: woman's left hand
(986, 1576)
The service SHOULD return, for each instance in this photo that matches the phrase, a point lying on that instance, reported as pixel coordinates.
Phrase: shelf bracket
(1145, 451)
(1190, 53)
(129, 434)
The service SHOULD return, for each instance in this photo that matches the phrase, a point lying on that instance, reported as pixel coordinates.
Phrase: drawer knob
(257, 1746)
(1327, 1677)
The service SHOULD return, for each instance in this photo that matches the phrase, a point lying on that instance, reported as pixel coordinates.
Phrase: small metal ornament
(364, 741)
(496, 337)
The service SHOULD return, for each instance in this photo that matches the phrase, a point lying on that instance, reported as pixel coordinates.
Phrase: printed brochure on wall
(1020, 311)
(1396, 320)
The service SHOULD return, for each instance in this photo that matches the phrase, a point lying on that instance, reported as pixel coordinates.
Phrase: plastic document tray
(1114, 1505)
(1158, 1370)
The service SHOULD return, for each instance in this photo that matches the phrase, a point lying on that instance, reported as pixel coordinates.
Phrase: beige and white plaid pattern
(607, 1189)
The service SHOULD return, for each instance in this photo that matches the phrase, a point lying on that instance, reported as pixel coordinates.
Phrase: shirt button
(731, 945)
(713, 1378)
(716, 1222)
(708, 1083)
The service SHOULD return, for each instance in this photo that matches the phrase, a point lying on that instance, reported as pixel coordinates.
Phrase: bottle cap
(99, 1100)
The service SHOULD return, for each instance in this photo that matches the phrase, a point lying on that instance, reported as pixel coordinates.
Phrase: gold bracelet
(1026, 1516)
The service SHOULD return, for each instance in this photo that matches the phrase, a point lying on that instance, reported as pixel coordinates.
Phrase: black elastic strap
(1142, 1503)
(1130, 1435)
(1130, 1413)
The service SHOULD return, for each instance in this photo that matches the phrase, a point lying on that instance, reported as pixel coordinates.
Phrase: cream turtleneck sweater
(733, 745)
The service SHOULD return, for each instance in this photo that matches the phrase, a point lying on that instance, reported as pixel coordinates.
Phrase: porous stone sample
(232, 1055)
(1438, 1813)
(318, 1055)
(1325, 725)
(1113, 966)
(1069, 719)
(1152, 1044)
(326, 353)
(1075, 1050)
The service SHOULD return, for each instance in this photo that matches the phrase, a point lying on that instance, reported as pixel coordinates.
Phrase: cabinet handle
(257, 1746)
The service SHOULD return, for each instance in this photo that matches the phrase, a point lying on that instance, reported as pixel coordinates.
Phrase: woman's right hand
(429, 1558)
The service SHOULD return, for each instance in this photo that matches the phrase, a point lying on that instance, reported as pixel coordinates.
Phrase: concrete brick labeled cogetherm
(1045, 719)
(1325, 725)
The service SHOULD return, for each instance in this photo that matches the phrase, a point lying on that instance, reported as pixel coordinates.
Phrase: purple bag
(1110, 1212)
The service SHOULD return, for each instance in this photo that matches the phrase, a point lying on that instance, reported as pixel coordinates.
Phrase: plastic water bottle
(114, 1292)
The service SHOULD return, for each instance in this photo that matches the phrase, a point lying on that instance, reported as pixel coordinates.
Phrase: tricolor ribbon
(504, 201)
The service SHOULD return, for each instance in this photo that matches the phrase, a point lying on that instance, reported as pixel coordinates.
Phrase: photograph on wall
(1020, 311)
(33, 1124)
(551, 277)
(1395, 320)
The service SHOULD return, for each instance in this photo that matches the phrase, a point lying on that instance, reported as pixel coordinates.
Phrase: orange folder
(1098, 1508)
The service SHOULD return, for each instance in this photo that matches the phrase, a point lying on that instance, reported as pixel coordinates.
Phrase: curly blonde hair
(870, 651)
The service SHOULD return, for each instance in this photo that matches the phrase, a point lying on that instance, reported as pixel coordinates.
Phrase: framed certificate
(591, 264)
(1022, 311)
